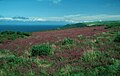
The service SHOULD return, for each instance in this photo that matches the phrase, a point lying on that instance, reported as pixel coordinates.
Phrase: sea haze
(28, 28)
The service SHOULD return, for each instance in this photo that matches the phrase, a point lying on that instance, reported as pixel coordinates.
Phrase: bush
(10, 35)
(117, 38)
(7, 32)
(27, 34)
(42, 49)
(67, 41)
(113, 25)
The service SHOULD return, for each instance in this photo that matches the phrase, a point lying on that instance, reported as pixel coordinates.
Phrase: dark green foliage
(26, 34)
(67, 41)
(112, 26)
(10, 35)
(74, 25)
(7, 32)
(42, 49)
(11, 60)
(117, 38)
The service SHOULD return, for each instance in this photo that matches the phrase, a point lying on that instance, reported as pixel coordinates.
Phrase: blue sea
(28, 28)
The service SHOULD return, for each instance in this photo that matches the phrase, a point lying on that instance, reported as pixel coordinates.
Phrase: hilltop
(108, 24)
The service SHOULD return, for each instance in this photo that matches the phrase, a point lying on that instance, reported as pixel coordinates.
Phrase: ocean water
(27, 28)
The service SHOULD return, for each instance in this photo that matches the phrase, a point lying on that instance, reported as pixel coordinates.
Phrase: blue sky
(64, 10)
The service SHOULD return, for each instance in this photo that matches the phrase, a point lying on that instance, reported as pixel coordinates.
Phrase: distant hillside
(97, 23)
(108, 24)
(73, 25)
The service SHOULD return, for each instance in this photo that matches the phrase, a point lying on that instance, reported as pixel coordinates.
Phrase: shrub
(10, 35)
(26, 34)
(113, 25)
(67, 41)
(42, 49)
(108, 26)
(8, 32)
(117, 38)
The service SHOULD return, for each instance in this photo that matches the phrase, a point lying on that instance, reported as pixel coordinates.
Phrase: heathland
(82, 49)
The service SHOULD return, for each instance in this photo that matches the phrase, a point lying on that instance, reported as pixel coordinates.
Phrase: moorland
(82, 49)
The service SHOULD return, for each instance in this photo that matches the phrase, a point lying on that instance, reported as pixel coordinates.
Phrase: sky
(60, 10)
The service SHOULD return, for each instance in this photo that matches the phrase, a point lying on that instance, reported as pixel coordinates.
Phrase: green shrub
(67, 41)
(7, 32)
(117, 38)
(113, 25)
(42, 49)
(26, 34)
(10, 35)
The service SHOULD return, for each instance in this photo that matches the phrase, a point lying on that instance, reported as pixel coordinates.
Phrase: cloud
(53, 1)
(68, 18)
(24, 19)
(84, 18)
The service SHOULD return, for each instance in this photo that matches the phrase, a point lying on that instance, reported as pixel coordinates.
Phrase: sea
(28, 28)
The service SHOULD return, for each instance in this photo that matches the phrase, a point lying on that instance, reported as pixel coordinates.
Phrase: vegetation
(42, 49)
(117, 38)
(97, 55)
(10, 35)
(67, 41)
(108, 24)
(74, 25)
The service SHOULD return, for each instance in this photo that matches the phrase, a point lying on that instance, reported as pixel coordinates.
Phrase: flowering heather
(77, 51)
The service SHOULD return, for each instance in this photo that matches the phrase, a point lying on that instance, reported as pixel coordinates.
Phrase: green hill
(108, 24)
(73, 25)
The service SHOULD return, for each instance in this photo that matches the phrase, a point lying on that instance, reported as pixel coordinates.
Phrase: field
(85, 51)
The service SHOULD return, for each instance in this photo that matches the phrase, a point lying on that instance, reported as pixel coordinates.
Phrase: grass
(98, 55)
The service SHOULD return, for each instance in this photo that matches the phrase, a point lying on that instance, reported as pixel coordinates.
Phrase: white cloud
(6, 18)
(68, 18)
(24, 20)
